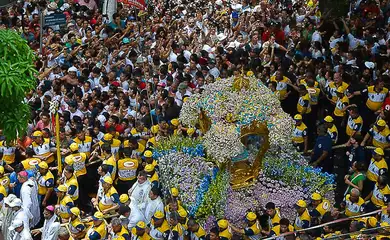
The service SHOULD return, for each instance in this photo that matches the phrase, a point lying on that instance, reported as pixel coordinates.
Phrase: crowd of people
(121, 81)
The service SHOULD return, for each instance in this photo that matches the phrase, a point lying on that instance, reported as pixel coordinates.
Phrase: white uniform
(151, 207)
(140, 193)
(50, 229)
(23, 235)
(30, 203)
(135, 214)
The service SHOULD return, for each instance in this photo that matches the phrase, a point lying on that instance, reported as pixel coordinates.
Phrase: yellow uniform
(354, 124)
(299, 133)
(45, 182)
(122, 235)
(375, 169)
(378, 195)
(281, 86)
(127, 169)
(374, 99)
(275, 219)
(314, 94)
(332, 89)
(112, 164)
(136, 153)
(253, 232)
(154, 178)
(30, 163)
(321, 209)
(302, 221)
(5, 182)
(78, 163)
(304, 83)
(380, 139)
(384, 215)
(3, 194)
(144, 132)
(99, 232)
(200, 234)
(72, 182)
(303, 105)
(225, 234)
(115, 145)
(341, 103)
(8, 152)
(134, 236)
(84, 146)
(43, 150)
(76, 226)
(109, 199)
(65, 205)
(351, 208)
(333, 133)
(161, 232)
(275, 231)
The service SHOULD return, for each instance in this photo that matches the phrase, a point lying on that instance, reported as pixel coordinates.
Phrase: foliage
(16, 79)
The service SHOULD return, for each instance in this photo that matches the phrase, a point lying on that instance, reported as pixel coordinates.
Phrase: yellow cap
(185, 99)
(328, 119)
(74, 147)
(190, 131)
(175, 122)
(1, 169)
(381, 123)
(182, 213)
(107, 137)
(107, 179)
(149, 167)
(123, 198)
(372, 221)
(340, 90)
(298, 117)
(174, 192)
(141, 225)
(43, 165)
(251, 216)
(316, 196)
(223, 223)
(75, 211)
(158, 215)
(301, 204)
(379, 151)
(155, 129)
(37, 134)
(61, 188)
(249, 74)
(148, 154)
(69, 161)
(98, 216)
(385, 224)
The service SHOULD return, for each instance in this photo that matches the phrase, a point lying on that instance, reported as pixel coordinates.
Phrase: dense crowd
(121, 80)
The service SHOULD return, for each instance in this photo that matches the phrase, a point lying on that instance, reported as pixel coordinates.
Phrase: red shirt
(386, 104)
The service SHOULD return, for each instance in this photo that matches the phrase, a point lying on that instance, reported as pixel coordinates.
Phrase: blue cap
(125, 40)
(131, 18)
(234, 14)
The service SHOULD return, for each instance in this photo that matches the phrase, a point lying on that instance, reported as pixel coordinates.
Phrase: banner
(140, 4)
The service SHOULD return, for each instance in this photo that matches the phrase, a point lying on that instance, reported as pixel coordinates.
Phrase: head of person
(270, 209)
(154, 193)
(98, 218)
(328, 121)
(61, 191)
(378, 154)
(43, 168)
(37, 137)
(17, 225)
(302, 90)
(140, 228)
(300, 206)
(103, 170)
(329, 228)
(322, 130)
(358, 166)
(16, 204)
(107, 183)
(251, 218)
(316, 199)
(106, 149)
(68, 171)
(48, 212)
(284, 223)
(223, 224)
(22, 176)
(354, 195)
(182, 215)
(298, 119)
(158, 219)
(63, 234)
(193, 226)
(75, 213)
(214, 234)
(74, 148)
(173, 220)
(124, 210)
(116, 225)
(149, 169)
(382, 181)
(142, 177)
(380, 125)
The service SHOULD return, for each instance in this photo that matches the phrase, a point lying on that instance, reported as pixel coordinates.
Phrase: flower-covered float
(244, 158)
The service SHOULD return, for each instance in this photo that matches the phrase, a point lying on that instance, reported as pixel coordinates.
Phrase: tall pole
(41, 22)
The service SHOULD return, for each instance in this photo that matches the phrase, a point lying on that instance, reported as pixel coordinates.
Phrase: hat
(221, 37)
(141, 225)
(328, 119)
(69, 161)
(61, 188)
(124, 198)
(175, 122)
(148, 154)
(50, 208)
(52, 6)
(15, 224)
(372, 221)
(251, 216)
(219, 2)
(98, 216)
(70, 25)
(107, 137)
(72, 69)
(43, 165)
(15, 203)
(23, 174)
(74, 147)
(340, 90)
(300, 204)
(149, 168)
(9, 199)
(249, 74)
(231, 45)
(208, 49)
(381, 123)
(369, 65)
(298, 117)
(75, 211)
(158, 215)
(125, 40)
(37, 134)
(182, 213)
(190, 131)
(379, 151)
(316, 196)
(182, 86)
(1, 169)
(107, 179)
(174, 192)
(223, 223)
(155, 129)
(161, 84)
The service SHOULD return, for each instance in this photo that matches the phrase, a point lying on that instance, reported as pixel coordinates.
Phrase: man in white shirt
(140, 190)
(135, 214)
(182, 91)
(50, 226)
(19, 214)
(7, 214)
(29, 197)
(20, 232)
(154, 204)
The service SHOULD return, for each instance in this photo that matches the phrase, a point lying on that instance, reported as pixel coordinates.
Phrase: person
(159, 226)
(110, 200)
(356, 179)
(45, 180)
(63, 234)
(322, 153)
(224, 230)
(384, 215)
(18, 213)
(127, 172)
(29, 198)
(380, 135)
(273, 215)
(139, 232)
(379, 195)
(355, 152)
(70, 182)
(20, 232)
(50, 227)
(213, 234)
(303, 218)
(7, 214)
(253, 229)
(153, 205)
(152, 175)
(98, 229)
(65, 203)
(377, 167)
(283, 227)
(300, 138)
(177, 232)
(321, 207)
(332, 129)
(118, 231)
(75, 226)
(353, 203)
(43, 148)
(140, 190)
(354, 123)
(196, 231)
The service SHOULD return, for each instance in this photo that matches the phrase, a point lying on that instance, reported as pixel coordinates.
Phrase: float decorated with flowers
(244, 157)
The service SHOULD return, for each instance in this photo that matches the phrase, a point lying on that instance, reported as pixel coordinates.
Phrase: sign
(55, 19)
(7, 3)
(140, 4)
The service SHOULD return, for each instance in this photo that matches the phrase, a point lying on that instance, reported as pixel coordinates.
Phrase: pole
(58, 143)
(41, 22)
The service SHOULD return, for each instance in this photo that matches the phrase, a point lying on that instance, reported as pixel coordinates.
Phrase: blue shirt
(323, 143)
(13, 177)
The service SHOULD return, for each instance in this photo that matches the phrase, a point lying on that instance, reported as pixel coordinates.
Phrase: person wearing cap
(19, 230)
(183, 220)
(43, 147)
(18, 212)
(283, 227)
(300, 135)
(379, 196)
(152, 175)
(148, 159)
(176, 228)
(152, 142)
(341, 105)
(153, 204)
(70, 181)
(377, 167)
(78, 161)
(303, 218)
(379, 134)
(172, 205)
(127, 172)
(196, 232)
(320, 205)
(353, 203)
(368, 223)
(84, 142)
(76, 226)
(140, 190)
(175, 195)
(50, 227)
(159, 227)
(136, 146)
(124, 199)
(29, 197)
(112, 142)
(65, 203)
(45, 180)
(139, 232)
(253, 229)
(332, 129)
(98, 229)
(7, 214)
(7, 152)
(109, 201)
(118, 231)
(175, 126)
(355, 121)
(225, 232)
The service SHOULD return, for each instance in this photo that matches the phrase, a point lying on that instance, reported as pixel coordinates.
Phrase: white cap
(231, 45)
(102, 119)
(16, 203)
(15, 224)
(9, 199)
(219, 2)
(237, 7)
(370, 65)
(208, 49)
(72, 69)
(221, 37)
